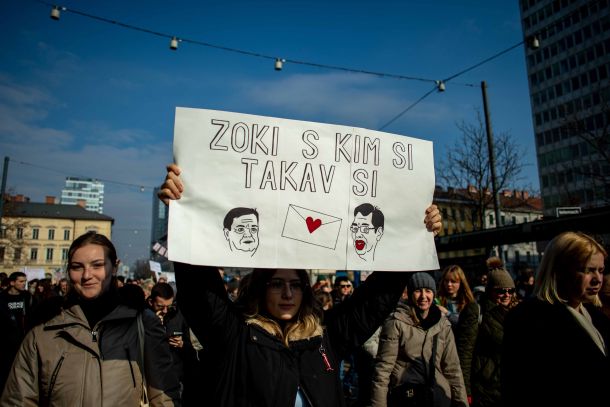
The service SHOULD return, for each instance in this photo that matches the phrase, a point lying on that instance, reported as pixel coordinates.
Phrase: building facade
(37, 236)
(460, 215)
(570, 97)
(87, 189)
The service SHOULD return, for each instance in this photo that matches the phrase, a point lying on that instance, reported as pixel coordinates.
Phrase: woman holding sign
(275, 346)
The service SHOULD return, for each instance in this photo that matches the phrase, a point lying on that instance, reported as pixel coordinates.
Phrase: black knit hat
(421, 280)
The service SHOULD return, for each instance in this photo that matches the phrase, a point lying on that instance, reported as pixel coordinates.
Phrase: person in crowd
(91, 352)
(44, 291)
(15, 309)
(32, 285)
(417, 359)
(3, 281)
(560, 334)
(325, 299)
(62, 287)
(274, 346)
(500, 297)
(322, 284)
(525, 284)
(457, 303)
(233, 288)
(343, 289)
(161, 302)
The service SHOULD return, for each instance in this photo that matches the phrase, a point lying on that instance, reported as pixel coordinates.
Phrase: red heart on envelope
(312, 224)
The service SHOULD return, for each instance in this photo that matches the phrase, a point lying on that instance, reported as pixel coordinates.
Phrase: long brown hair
(252, 301)
(464, 294)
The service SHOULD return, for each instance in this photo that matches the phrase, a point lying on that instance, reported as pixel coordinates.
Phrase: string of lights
(532, 41)
(142, 188)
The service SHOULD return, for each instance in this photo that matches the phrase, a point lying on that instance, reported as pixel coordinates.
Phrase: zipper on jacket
(94, 336)
(54, 376)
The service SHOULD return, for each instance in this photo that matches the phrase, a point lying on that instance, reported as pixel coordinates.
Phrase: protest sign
(278, 193)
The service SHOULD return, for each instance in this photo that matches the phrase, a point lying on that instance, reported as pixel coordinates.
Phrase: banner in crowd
(277, 193)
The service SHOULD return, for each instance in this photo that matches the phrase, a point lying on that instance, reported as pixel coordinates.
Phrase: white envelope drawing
(312, 227)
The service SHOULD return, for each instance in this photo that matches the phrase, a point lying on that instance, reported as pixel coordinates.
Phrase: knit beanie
(499, 278)
(421, 280)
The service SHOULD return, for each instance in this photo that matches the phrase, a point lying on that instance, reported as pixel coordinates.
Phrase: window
(34, 253)
(491, 219)
(3, 233)
(64, 254)
(66, 235)
(17, 254)
(35, 232)
(19, 233)
(2, 253)
(49, 254)
(51, 234)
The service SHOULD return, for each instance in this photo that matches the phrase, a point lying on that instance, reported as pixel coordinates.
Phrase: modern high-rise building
(89, 192)
(570, 95)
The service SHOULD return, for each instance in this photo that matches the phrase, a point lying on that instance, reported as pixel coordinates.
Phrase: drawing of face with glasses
(241, 230)
(367, 229)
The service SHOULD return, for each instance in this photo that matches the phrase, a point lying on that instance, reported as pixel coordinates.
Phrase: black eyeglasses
(502, 291)
(276, 285)
(345, 285)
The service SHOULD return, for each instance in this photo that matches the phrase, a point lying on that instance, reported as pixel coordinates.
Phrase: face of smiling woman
(90, 271)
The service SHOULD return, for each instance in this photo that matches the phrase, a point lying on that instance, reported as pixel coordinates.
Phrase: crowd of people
(275, 337)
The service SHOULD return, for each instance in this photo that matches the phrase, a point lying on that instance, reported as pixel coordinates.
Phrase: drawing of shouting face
(367, 229)
(241, 230)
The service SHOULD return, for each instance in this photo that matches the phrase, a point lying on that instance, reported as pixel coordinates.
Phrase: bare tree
(13, 237)
(466, 167)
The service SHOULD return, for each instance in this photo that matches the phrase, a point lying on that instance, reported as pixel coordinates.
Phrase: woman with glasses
(101, 349)
(561, 333)
(275, 346)
(500, 297)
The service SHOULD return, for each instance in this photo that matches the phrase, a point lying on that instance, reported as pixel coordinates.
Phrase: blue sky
(84, 98)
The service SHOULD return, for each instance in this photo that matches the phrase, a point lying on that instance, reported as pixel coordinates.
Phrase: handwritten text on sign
(270, 192)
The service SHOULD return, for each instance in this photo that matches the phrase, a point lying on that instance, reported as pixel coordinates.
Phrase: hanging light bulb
(173, 44)
(533, 42)
(279, 63)
(55, 13)
(440, 85)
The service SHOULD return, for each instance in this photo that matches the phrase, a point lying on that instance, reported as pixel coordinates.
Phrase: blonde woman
(560, 334)
(457, 303)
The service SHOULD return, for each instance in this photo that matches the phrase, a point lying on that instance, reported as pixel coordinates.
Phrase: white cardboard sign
(277, 193)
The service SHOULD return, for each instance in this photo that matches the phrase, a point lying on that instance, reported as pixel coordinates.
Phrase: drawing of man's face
(243, 234)
(365, 236)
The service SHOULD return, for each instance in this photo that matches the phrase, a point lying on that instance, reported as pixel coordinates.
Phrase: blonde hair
(464, 294)
(251, 300)
(565, 254)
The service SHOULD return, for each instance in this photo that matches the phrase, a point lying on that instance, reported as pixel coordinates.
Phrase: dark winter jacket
(486, 360)
(550, 360)
(65, 362)
(253, 368)
(465, 333)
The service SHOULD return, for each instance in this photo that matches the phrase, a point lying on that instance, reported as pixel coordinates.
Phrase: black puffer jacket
(486, 360)
(550, 360)
(253, 368)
